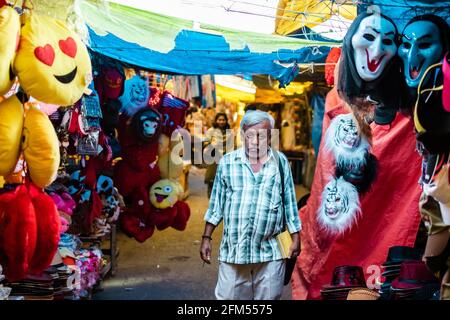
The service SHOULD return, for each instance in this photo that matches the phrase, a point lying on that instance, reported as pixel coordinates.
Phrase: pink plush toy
(64, 202)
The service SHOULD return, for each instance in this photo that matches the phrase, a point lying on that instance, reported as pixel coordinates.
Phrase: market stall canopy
(322, 19)
(172, 45)
(329, 18)
(235, 89)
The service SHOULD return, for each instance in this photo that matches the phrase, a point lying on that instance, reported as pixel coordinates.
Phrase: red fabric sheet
(390, 214)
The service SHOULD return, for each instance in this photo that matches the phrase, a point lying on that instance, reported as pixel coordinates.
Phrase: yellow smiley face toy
(164, 194)
(52, 63)
(9, 40)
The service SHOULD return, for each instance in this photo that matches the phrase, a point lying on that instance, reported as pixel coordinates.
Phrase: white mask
(374, 46)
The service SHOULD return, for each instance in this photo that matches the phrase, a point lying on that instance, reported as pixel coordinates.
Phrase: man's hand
(295, 249)
(205, 250)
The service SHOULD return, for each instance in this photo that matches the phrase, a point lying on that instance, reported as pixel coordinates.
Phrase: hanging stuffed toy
(182, 217)
(18, 232)
(369, 69)
(30, 226)
(164, 194)
(340, 206)
(173, 111)
(40, 147)
(48, 226)
(52, 63)
(11, 123)
(164, 145)
(146, 124)
(135, 95)
(136, 227)
(167, 210)
(9, 41)
(170, 163)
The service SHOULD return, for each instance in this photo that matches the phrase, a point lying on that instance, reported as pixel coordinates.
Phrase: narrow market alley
(168, 266)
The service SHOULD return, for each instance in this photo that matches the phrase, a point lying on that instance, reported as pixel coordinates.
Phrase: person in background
(247, 196)
(220, 137)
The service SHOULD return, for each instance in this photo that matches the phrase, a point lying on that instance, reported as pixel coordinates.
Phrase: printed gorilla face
(146, 123)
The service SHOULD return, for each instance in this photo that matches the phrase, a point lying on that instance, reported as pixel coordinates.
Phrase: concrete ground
(168, 265)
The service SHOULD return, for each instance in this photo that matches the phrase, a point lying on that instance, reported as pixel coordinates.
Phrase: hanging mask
(345, 142)
(135, 95)
(340, 206)
(422, 46)
(431, 120)
(113, 85)
(374, 46)
(361, 175)
(146, 124)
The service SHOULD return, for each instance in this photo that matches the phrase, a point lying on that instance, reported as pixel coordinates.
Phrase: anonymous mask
(340, 206)
(421, 47)
(164, 194)
(9, 35)
(52, 63)
(374, 46)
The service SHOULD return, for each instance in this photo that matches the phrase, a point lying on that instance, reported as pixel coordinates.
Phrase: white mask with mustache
(374, 46)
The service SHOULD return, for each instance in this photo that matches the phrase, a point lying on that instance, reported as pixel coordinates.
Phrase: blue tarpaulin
(167, 44)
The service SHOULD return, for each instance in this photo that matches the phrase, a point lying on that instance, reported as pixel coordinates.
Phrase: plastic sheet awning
(167, 44)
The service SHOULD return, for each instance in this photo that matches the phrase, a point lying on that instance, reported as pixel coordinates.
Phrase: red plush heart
(68, 46)
(45, 54)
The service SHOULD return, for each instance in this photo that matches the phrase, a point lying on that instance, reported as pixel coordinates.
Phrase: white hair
(253, 117)
(351, 210)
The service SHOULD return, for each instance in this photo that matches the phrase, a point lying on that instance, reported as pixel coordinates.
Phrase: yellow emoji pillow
(40, 147)
(11, 123)
(52, 63)
(164, 194)
(9, 40)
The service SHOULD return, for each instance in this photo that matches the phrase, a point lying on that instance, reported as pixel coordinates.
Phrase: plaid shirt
(249, 204)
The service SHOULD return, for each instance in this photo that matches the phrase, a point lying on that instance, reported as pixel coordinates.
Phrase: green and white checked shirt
(250, 206)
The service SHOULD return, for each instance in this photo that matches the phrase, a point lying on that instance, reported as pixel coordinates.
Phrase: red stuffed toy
(182, 217)
(29, 231)
(136, 227)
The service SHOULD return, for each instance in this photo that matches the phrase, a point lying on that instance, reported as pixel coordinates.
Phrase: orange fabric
(390, 211)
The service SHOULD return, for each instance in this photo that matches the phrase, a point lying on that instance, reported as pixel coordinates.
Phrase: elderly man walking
(247, 196)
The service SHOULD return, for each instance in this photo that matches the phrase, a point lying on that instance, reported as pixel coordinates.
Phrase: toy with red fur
(182, 217)
(18, 232)
(48, 229)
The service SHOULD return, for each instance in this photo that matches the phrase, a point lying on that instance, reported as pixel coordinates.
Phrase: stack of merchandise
(415, 282)
(392, 266)
(345, 278)
(4, 291)
(34, 287)
(87, 263)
